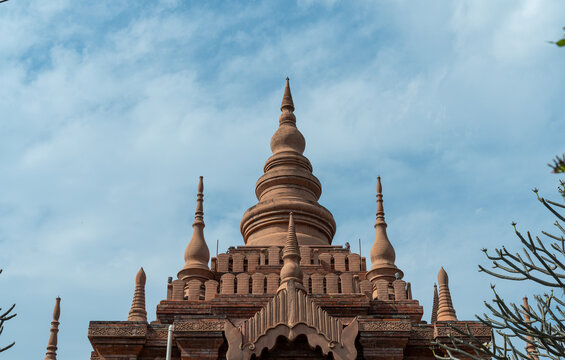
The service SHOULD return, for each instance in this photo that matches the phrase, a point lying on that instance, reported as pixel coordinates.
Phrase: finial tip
(140, 278)
(379, 185)
(57, 309)
(442, 276)
(287, 98)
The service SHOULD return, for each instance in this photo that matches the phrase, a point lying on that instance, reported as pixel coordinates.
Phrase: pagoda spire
(287, 137)
(435, 306)
(197, 254)
(287, 102)
(137, 311)
(445, 311)
(52, 345)
(530, 348)
(287, 184)
(291, 269)
(382, 252)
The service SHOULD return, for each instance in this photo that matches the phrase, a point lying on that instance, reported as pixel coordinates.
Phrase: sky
(110, 110)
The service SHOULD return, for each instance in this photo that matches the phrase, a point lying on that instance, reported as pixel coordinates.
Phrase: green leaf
(560, 42)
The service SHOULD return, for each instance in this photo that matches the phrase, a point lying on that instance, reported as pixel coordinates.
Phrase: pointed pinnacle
(199, 214)
(380, 208)
(140, 278)
(200, 184)
(57, 309)
(196, 254)
(137, 311)
(446, 311)
(442, 277)
(287, 102)
(291, 246)
(52, 343)
(291, 270)
(435, 305)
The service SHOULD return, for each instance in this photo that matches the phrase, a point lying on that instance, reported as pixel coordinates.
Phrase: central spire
(287, 185)
(287, 102)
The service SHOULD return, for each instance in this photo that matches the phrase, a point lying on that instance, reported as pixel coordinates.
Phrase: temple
(288, 292)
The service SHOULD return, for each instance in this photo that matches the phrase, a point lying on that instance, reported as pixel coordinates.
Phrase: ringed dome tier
(287, 185)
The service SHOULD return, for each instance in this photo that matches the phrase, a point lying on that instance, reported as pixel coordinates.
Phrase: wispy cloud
(110, 111)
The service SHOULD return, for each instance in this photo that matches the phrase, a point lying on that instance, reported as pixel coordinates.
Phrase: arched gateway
(288, 293)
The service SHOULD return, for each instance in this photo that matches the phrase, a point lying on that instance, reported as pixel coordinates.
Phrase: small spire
(291, 269)
(530, 348)
(287, 102)
(287, 107)
(137, 311)
(445, 311)
(380, 208)
(382, 252)
(199, 214)
(52, 345)
(291, 246)
(197, 254)
(435, 305)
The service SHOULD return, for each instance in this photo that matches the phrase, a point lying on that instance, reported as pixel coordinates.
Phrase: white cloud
(111, 111)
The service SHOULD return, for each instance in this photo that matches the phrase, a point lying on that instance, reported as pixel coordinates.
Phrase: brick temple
(288, 293)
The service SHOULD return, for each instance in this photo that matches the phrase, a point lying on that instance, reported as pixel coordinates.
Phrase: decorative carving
(199, 325)
(481, 331)
(445, 331)
(383, 325)
(111, 330)
(157, 334)
(422, 333)
(291, 313)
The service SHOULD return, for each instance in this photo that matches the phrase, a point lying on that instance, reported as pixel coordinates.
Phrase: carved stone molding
(422, 333)
(384, 325)
(476, 329)
(158, 333)
(199, 325)
(117, 330)
(481, 331)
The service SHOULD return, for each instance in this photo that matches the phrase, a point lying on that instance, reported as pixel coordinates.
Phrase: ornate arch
(291, 313)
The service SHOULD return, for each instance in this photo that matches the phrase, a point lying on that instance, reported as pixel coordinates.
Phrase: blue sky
(110, 110)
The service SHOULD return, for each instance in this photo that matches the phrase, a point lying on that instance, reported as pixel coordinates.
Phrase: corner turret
(197, 255)
(382, 252)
